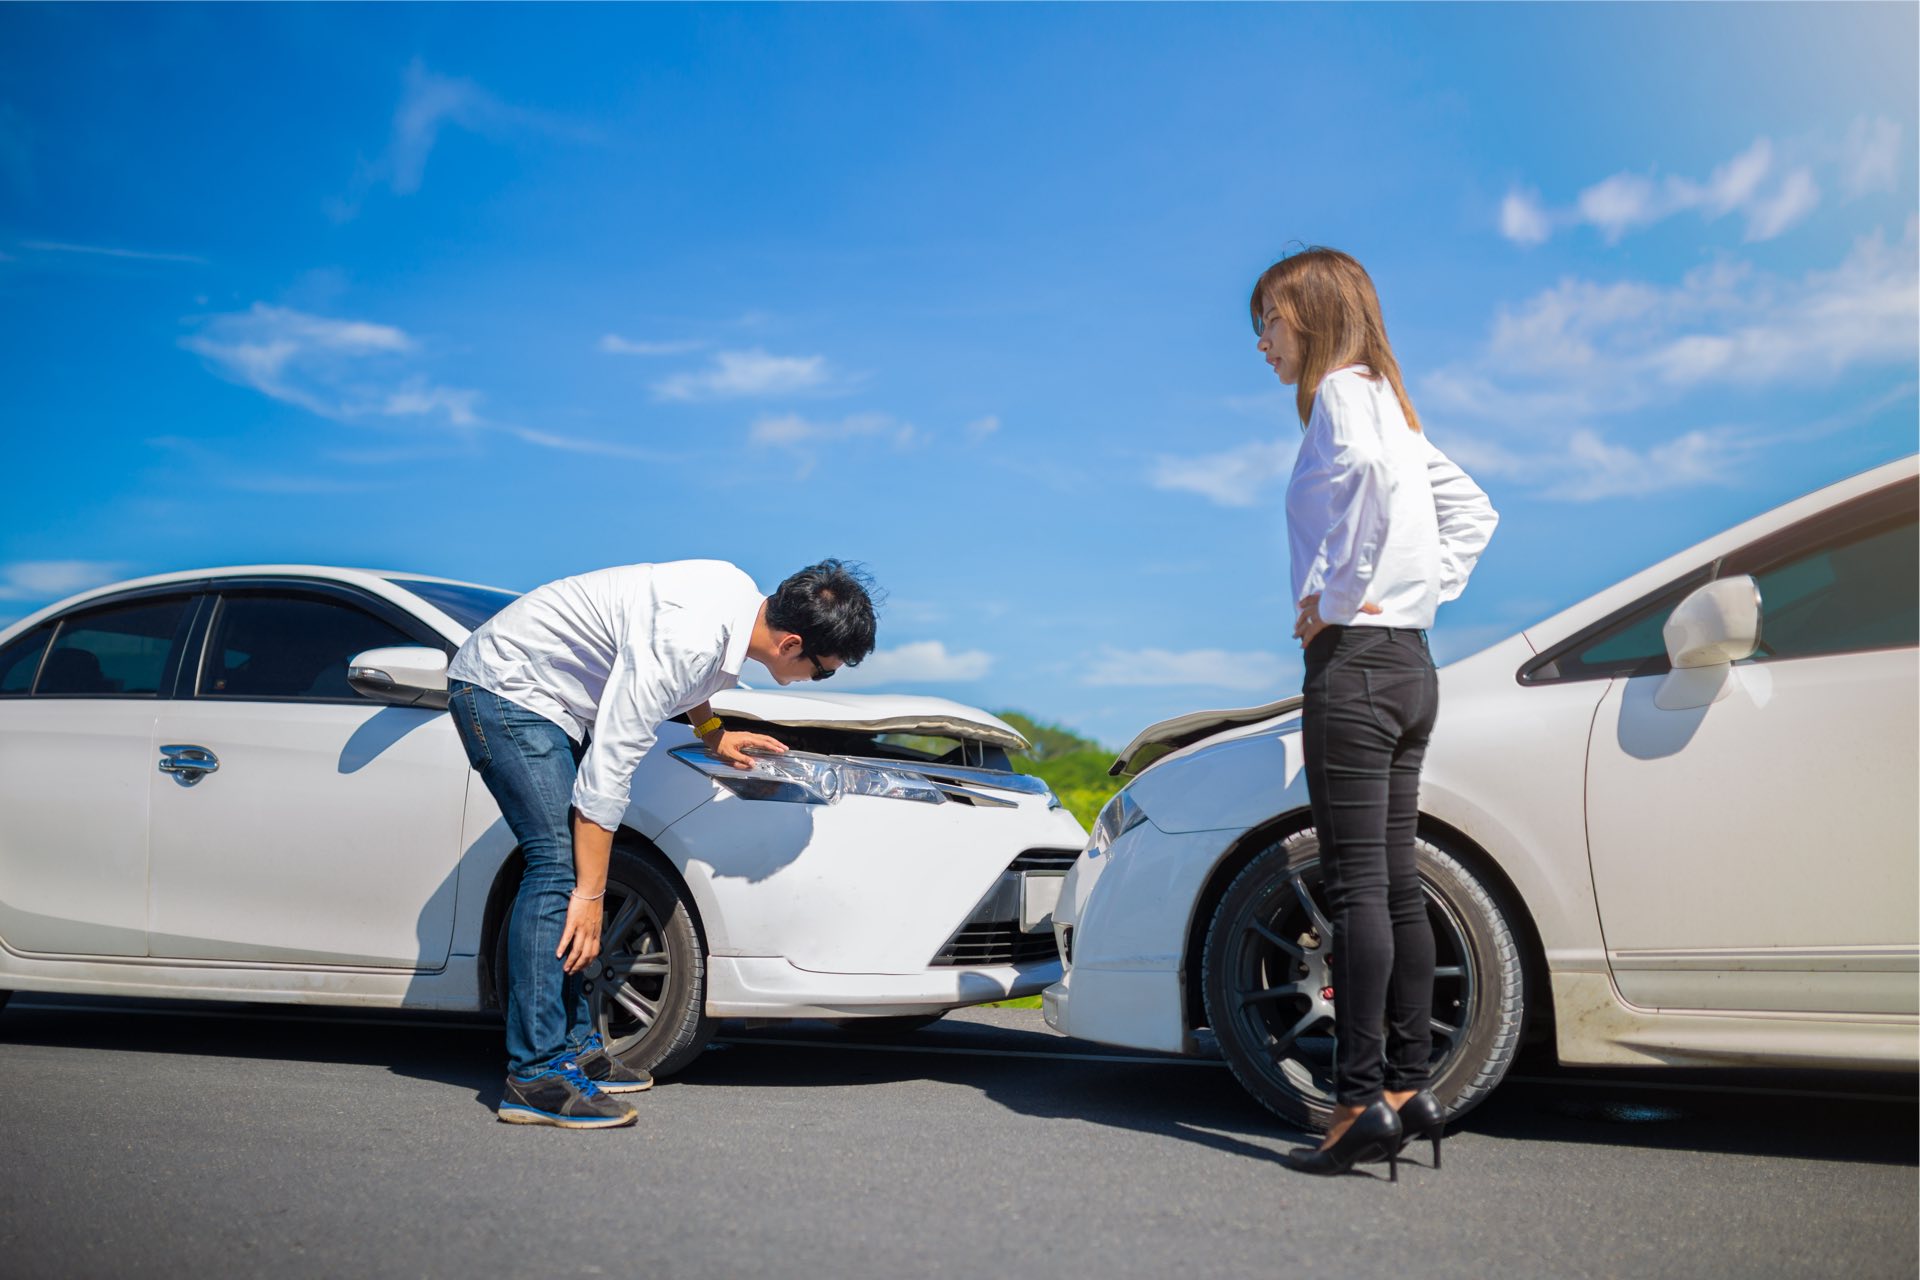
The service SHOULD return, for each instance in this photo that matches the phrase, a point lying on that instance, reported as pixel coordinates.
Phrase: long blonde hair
(1329, 300)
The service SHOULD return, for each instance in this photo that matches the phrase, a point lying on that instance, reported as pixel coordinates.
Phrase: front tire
(1268, 989)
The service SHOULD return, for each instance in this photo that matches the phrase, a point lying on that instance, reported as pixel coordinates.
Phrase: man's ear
(790, 645)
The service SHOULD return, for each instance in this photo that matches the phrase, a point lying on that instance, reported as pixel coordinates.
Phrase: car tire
(1267, 989)
(647, 989)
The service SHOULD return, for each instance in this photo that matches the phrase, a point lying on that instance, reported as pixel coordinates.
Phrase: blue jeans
(528, 762)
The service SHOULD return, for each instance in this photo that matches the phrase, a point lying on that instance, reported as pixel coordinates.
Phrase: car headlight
(1121, 815)
(800, 778)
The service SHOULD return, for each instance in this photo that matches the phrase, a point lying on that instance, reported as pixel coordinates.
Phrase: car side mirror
(404, 675)
(1713, 628)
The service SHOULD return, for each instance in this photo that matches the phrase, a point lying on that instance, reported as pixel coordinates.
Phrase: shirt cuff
(598, 807)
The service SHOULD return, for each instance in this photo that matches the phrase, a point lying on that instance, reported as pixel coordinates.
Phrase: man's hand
(1309, 624)
(580, 940)
(732, 746)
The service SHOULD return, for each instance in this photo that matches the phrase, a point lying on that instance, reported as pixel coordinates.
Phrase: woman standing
(1382, 527)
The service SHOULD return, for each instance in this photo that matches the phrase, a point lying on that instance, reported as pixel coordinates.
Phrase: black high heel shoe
(1375, 1135)
(1423, 1119)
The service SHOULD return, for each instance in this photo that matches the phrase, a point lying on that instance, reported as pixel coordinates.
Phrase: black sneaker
(562, 1096)
(607, 1071)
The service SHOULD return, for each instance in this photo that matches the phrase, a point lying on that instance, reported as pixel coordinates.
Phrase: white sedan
(240, 784)
(1673, 825)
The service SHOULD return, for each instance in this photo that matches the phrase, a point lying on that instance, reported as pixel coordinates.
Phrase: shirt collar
(740, 633)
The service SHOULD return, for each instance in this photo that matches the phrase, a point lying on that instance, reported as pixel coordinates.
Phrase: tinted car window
(285, 646)
(1628, 644)
(468, 606)
(20, 660)
(1861, 592)
(121, 649)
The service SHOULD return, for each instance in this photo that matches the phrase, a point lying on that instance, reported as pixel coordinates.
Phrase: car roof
(380, 582)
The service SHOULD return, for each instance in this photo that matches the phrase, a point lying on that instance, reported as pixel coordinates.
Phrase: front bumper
(771, 987)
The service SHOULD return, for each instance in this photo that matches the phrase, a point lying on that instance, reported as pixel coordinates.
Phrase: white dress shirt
(615, 653)
(1375, 513)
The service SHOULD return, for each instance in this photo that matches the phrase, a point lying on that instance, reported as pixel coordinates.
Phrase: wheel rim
(629, 978)
(1281, 998)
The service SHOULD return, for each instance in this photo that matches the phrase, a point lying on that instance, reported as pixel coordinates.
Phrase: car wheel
(1269, 991)
(647, 989)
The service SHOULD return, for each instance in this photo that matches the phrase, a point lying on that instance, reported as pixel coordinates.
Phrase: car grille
(985, 944)
(1046, 860)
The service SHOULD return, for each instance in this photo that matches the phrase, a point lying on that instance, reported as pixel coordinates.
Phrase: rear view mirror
(404, 675)
(1713, 628)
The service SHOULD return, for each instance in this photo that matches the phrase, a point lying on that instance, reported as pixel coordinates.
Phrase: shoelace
(570, 1072)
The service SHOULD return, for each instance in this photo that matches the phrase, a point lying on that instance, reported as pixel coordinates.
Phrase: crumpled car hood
(871, 712)
(1158, 741)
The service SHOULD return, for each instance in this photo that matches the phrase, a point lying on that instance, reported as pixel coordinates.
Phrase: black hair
(830, 607)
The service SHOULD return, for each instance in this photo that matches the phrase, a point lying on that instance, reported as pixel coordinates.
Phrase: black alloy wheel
(647, 989)
(1269, 995)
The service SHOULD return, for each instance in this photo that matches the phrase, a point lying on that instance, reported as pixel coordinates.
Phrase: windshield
(468, 606)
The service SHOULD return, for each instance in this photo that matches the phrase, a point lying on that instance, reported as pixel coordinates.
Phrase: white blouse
(616, 653)
(1375, 513)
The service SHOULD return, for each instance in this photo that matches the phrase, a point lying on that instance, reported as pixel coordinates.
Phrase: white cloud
(1773, 197)
(1522, 219)
(429, 102)
(1529, 407)
(1871, 156)
(1247, 671)
(417, 397)
(103, 251)
(1618, 204)
(921, 662)
(980, 428)
(791, 430)
(1234, 478)
(740, 374)
(1796, 197)
(614, 344)
(52, 579)
(338, 369)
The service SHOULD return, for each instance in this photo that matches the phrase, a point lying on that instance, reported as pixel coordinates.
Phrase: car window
(1627, 644)
(288, 646)
(1859, 592)
(468, 606)
(119, 650)
(20, 661)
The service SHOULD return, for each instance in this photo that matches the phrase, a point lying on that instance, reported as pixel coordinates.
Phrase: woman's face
(1280, 346)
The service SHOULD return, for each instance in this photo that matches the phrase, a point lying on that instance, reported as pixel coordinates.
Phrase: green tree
(1075, 767)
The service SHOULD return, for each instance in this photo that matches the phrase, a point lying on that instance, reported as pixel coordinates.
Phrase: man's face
(791, 662)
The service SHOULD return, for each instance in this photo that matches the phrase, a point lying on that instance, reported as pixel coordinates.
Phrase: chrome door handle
(188, 764)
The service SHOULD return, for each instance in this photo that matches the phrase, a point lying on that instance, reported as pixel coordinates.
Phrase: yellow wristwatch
(702, 730)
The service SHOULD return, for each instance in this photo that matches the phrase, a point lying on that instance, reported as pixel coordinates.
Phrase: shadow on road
(1033, 1072)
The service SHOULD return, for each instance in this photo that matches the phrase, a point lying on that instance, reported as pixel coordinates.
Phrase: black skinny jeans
(1371, 695)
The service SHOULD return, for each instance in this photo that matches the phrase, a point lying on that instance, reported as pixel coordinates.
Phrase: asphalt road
(151, 1139)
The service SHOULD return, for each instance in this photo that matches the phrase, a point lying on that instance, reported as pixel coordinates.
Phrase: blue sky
(507, 293)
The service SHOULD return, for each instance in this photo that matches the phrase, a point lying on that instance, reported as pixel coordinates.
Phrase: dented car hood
(870, 712)
(1157, 741)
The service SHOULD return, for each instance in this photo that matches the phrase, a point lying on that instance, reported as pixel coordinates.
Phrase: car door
(1758, 853)
(310, 825)
(79, 697)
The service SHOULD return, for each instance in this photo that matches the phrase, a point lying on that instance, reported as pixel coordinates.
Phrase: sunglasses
(819, 672)
(1260, 323)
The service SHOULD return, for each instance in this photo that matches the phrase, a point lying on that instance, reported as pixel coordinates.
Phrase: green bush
(1075, 767)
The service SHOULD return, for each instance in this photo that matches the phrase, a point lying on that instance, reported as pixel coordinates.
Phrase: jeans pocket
(462, 706)
(1396, 699)
(1354, 642)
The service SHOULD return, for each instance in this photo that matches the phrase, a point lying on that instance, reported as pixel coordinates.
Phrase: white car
(240, 784)
(1674, 825)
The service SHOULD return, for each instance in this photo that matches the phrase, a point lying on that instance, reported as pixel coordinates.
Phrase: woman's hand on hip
(580, 939)
(1309, 624)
